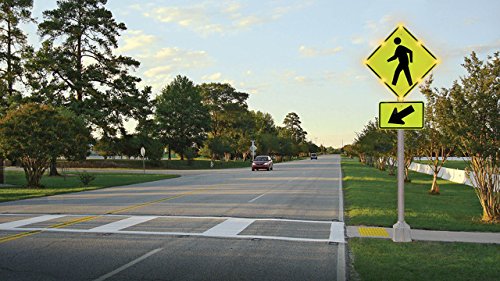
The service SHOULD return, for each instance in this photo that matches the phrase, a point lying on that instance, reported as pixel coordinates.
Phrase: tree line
(55, 100)
(462, 120)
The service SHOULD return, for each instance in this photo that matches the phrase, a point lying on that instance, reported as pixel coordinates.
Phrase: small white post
(143, 153)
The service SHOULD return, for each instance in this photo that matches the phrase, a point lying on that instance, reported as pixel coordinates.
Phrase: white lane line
(229, 227)
(121, 224)
(341, 197)
(123, 267)
(341, 272)
(337, 232)
(19, 223)
(257, 197)
(341, 255)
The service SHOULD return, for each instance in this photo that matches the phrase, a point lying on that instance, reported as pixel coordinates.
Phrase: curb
(425, 235)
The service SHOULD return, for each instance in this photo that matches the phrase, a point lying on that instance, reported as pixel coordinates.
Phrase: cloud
(280, 11)
(135, 39)
(158, 70)
(249, 21)
(291, 76)
(483, 48)
(171, 60)
(212, 77)
(356, 40)
(315, 52)
(218, 17)
(300, 79)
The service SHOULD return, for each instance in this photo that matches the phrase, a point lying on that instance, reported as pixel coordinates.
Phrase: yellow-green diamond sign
(401, 115)
(401, 62)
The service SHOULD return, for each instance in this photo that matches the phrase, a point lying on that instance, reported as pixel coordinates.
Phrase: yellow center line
(63, 224)
(18, 235)
(89, 218)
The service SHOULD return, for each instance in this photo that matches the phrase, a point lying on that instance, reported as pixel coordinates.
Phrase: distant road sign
(401, 115)
(401, 62)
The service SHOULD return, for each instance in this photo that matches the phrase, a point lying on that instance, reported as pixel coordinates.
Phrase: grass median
(69, 183)
(371, 199)
(377, 259)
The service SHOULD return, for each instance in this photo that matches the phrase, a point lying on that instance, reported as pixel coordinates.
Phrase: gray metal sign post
(401, 228)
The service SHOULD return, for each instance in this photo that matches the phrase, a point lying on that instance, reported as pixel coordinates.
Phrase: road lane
(302, 190)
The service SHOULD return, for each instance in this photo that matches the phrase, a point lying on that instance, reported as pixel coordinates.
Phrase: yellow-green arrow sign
(401, 115)
(401, 62)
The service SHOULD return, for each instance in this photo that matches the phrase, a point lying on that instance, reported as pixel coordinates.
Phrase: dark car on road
(314, 156)
(262, 162)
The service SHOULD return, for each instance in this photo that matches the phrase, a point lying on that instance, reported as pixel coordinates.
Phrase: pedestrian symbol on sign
(402, 54)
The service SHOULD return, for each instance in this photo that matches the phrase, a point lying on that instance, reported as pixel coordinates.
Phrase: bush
(86, 178)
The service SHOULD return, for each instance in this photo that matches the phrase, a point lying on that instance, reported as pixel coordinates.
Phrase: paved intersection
(231, 225)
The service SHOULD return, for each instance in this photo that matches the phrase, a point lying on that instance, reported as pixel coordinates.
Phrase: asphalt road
(226, 225)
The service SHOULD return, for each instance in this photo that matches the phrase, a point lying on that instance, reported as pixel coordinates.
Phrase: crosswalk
(218, 227)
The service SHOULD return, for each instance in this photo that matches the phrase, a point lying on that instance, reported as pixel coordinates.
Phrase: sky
(297, 56)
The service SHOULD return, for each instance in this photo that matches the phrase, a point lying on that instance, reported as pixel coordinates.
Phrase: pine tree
(12, 44)
(79, 39)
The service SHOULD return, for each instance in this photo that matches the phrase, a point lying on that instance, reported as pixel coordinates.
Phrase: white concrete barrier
(453, 175)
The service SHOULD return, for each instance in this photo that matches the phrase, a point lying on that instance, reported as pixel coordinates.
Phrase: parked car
(262, 162)
(314, 156)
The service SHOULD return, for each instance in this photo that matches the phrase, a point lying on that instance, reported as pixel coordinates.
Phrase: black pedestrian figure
(401, 54)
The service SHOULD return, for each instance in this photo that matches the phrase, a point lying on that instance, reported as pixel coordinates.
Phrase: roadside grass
(379, 259)
(70, 183)
(174, 164)
(371, 199)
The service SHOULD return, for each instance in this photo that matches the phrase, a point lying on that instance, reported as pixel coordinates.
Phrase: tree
(181, 117)
(90, 80)
(348, 150)
(12, 44)
(412, 149)
(34, 133)
(106, 147)
(474, 108)
(436, 142)
(229, 117)
(292, 124)
(264, 123)
(223, 103)
(268, 144)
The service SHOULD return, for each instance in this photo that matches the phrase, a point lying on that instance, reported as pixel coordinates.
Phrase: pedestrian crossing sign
(401, 62)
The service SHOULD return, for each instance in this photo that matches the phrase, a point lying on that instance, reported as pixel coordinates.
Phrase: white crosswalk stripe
(229, 228)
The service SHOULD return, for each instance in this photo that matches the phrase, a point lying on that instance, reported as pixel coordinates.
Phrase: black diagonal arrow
(397, 117)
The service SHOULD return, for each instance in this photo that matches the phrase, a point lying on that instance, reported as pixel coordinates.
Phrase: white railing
(453, 175)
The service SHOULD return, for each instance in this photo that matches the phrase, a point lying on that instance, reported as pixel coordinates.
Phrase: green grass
(58, 185)
(174, 164)
(371, 199)
(377, 259)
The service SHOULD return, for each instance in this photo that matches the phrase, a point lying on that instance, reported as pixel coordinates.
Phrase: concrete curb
(425, 235)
